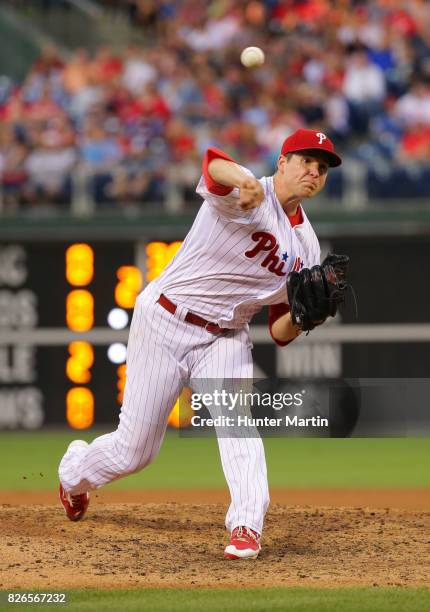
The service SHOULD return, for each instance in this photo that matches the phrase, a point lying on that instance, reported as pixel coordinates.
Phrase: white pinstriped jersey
(233, 262)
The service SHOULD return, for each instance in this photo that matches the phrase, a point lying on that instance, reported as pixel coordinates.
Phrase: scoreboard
(65, 312)
(66, 308)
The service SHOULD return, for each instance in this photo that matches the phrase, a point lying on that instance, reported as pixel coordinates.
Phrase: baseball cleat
(74, 506)
(244, 544)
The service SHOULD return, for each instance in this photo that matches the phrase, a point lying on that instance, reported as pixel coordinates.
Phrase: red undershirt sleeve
(275, 312)
(296, 219)
(213, 186)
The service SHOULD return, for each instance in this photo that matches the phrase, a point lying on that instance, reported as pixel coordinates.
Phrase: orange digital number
(80, 408)
(80, 361)
(79, 264)
(130, 283)
(80, 310)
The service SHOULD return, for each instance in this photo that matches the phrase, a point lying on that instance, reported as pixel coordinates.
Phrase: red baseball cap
(310, 140)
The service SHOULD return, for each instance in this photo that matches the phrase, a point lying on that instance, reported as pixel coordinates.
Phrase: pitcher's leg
(242, 458)
(244, 464)
(108, 458)
(154, 381)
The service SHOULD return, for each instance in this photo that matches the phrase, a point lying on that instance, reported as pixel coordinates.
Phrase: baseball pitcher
(251, 245)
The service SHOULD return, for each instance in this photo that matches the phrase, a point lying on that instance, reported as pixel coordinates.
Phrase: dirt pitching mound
(181, 545)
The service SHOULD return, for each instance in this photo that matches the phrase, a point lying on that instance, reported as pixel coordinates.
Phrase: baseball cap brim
(333, 159)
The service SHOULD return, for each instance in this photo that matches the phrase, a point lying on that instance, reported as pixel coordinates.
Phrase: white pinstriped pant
(163, 353)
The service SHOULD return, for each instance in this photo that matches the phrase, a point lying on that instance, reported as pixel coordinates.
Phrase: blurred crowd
(125, 125)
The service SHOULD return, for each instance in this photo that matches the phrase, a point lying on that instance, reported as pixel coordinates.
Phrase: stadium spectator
(138, 72)
(77, 72)
(13, 153)
(49, 166)
(106, 67)
(336, 114)
(414, 106)
(100, 154)
(49, 64)
(131, 179)
(364, 87)
(415, 144)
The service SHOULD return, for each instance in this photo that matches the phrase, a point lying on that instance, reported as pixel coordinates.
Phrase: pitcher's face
(303, 174)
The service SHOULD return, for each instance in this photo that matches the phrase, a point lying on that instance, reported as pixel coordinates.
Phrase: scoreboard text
(65, 311)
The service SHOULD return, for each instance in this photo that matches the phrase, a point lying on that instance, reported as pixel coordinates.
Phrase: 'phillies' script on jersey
(267, 242)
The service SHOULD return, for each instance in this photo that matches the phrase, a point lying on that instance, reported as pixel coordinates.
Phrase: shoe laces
(76, 501)
(244, 533)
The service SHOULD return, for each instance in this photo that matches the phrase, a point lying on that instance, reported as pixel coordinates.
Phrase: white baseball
(252, 57)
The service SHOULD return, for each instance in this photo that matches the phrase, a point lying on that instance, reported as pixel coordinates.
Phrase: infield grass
(249, 600)
(28, 461)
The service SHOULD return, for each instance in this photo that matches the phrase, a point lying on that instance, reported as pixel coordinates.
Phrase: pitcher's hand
(251, 193)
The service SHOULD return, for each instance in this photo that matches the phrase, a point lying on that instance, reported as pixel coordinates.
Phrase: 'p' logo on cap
(321, 137)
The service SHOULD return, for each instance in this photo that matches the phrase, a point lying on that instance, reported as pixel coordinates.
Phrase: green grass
(250, 600)
(194, 463)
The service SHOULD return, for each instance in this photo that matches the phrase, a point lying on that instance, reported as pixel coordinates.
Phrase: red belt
(190, 317)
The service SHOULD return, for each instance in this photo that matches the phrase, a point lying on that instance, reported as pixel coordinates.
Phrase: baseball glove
(316, 293)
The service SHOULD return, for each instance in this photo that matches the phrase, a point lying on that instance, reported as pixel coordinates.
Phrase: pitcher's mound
(181, 545)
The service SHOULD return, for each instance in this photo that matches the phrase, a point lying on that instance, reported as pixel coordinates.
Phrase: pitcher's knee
(132, 458)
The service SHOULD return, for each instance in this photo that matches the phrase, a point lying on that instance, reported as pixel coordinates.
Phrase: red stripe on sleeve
(275, 312)
(213, 186)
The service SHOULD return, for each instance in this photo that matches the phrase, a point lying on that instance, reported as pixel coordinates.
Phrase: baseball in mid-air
(252, 57)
